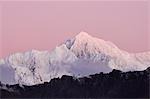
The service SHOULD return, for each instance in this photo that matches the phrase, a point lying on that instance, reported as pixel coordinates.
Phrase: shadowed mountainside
(115, 84)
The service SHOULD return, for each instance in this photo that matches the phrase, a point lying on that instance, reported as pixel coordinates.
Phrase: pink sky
(43, 25)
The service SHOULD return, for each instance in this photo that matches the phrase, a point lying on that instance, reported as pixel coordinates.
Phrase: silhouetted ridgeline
(113, 85)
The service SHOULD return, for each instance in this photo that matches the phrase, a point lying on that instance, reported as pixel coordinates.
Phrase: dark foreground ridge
(116, 84)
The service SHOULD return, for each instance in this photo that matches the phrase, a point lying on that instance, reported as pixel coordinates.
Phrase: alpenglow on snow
(80, 56)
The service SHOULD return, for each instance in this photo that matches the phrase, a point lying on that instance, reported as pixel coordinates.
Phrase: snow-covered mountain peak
(83, 35)
(34, 51)
(85, 45)
(83, 55)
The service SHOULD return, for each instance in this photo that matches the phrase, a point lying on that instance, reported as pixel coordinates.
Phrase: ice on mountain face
(60, 61)
(131, 62)
(79, 56)
(88, 46)
(62, 54)
(30, 67)
(36, 67)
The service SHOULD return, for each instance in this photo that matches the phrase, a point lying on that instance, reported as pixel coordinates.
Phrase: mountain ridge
(76, 54)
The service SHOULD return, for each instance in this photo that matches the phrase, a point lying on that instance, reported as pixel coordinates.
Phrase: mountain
(115, 84)
(80, 56)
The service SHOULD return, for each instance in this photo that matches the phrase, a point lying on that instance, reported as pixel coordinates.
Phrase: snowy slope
(99, 50)
(79, 56)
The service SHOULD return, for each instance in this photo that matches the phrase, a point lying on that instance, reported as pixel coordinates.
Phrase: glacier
(79, 56)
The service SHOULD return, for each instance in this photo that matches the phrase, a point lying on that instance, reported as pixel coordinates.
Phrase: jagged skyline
(78, 56)
(44, 25)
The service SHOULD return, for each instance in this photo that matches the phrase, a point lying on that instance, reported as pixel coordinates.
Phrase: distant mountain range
(80, 56)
